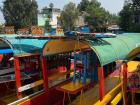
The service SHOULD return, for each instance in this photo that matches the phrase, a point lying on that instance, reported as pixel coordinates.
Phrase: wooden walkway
(91, 96)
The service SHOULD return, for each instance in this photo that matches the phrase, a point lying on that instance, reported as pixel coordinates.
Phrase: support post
(39, 64)
(74, 77)
(110, 68)
(84, 60)
(101, 82)
(124, 84)
(17, 76)
(45, 73)
(25, 64)
(95, 69)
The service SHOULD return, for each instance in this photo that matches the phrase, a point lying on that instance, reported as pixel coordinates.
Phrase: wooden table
(72, 88)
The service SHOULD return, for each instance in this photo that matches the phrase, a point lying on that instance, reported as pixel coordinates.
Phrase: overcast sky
(113, 6)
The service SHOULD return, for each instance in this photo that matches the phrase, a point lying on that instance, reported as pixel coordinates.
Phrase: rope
(78, 42)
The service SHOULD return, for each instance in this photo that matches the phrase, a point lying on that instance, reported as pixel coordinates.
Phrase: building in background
(48, 14)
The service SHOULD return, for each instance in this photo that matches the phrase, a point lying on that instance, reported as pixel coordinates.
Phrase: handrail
(26, 98)
(109, 96)
(117, 99)
(29, 86)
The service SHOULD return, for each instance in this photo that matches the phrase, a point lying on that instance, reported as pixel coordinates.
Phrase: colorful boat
(92, 58)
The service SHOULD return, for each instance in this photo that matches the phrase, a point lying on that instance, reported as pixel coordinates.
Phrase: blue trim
(95, 69)
(6, 51)
(74, 77)
(82, 75)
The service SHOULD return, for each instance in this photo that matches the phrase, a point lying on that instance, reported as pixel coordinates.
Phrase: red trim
(17, 75)
(45, 72)
(101, 82)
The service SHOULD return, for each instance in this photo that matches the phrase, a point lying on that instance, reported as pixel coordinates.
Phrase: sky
(113, 6)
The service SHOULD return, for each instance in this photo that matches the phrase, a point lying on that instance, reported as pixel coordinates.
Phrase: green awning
(111, 49)
(134, 53)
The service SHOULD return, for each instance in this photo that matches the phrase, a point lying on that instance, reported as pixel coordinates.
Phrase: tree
(20, 13)
(47, 26)
(125, 18)
(130, 16)
(98, 17)
(69, 16)
(51, 5)
(34, 12)
(83, 5)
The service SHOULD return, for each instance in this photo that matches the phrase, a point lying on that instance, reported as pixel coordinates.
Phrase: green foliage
(83, 5)
(47, 27)
(98, 17)
(51, 5)
(47, 12)
(69, 16)
(130, 16)
(20, 13)
(125, 18)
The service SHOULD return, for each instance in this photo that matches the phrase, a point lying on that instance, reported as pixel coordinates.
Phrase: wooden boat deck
(91, 96)
(54, 79)
(9, 98)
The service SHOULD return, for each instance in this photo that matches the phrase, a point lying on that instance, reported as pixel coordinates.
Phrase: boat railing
(26, 98)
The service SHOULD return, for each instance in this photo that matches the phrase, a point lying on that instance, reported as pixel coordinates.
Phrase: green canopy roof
(111, 49)
(134, 53)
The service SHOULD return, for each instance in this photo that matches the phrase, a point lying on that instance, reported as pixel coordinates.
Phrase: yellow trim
(109, 96)
(133, 53)
(63, 46)
(116, 100)
(24, 102)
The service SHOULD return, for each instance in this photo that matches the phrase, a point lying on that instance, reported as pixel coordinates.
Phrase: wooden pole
(124, 84)
(101, 82)
(45, 73)
(17, 76)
